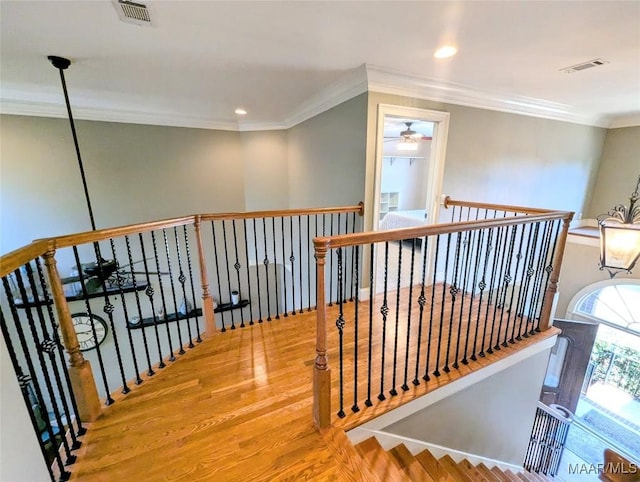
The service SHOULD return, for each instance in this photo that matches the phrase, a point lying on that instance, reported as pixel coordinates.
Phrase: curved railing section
(126, 302)
(433, 299)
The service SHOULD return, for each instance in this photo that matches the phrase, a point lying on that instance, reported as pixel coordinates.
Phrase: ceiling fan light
(408, 144)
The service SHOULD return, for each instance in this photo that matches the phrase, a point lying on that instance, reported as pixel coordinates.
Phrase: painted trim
(365, 78)
(389, 440)
(430, 398)
(587, 290)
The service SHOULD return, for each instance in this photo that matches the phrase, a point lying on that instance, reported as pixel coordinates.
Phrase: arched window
(612, 302)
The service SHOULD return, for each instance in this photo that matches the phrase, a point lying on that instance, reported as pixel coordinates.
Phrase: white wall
(492, 418)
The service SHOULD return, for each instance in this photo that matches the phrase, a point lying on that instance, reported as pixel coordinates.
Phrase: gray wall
(507, 158)
(618, 172)
(492, 418)
(327, 157)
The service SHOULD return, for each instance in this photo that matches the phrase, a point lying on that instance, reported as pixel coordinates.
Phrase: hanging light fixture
(408, 144)
(620, 236)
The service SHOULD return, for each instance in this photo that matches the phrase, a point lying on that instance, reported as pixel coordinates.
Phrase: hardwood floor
(238, 408)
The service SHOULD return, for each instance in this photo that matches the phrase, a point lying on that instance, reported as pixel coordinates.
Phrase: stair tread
(457, 472)
(380, 461)
(411, 466)
(512, 476)
(433, 467)
(472, 471)
(500, 474)
(484, 470)
(351, 468)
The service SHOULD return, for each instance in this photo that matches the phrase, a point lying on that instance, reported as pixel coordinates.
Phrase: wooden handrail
(433, 229)
(282, 212)
(21, 256)
(499, 207)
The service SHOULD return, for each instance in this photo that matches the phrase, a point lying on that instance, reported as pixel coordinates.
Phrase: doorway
(410, 155)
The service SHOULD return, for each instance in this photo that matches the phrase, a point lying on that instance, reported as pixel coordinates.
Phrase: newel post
(552, 287)
(207, 300)
(321, 371)
(80, 373)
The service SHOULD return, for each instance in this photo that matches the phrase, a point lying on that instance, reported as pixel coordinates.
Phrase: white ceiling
(286, 61)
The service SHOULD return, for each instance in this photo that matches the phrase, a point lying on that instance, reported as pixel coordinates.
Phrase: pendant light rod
(62, 64)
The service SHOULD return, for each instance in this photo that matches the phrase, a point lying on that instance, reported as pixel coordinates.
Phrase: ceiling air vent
(132, 12)
(584, 65)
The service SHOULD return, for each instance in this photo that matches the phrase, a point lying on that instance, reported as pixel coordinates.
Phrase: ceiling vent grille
(131, 12)
(583, 66)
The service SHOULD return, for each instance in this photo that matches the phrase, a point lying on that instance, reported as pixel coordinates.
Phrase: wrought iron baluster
(468, 242)
(514, 287)
(346, 258)
(523, 285)
(150, 292)
(384, 310)
(442, 305)
(300, 261)
(331, 265)
(85, 294)
(46, 345)
(393, 392)
(292, 259)
(193, 290)
(354, 250)
(80, 430)
(173, 290)
(481, 285)
(275, 267)
(215, 255)
(284, 269)
(24, 379)
(506, 280)
(182, 279)
(540, 275)
(246, 259)
(354, 407)
(150, 371)
(405, 386)
(494, 296)
(421, 302)
(454, 289)
(340, 323)
(226, 259)
(549, 268)
(237, 267)
(266, 267)
(530, 272)
(368, 401)
(308, 264)
(162, 296)
(255, 245)
(426, 376)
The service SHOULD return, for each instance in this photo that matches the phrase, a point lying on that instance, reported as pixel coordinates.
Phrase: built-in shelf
(412, 159)
(389, 202)
(230, 306)
(150, 321)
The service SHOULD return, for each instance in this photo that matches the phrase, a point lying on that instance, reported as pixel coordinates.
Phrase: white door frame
(436, 159)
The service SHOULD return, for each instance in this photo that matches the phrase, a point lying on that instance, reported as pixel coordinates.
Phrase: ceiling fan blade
(159, 273)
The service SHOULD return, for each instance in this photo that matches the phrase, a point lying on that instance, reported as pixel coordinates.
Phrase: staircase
(399, 464)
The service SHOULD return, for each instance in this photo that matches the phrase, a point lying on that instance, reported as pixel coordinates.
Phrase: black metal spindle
(426, 376)
(470, 236)
(275, 266)
(189, 316)
(494, 294)
(150, 292)
(454, 289)
(368, 401)
(163, 299)
(442, 305)
(246, 260)
(265, 261)
(284, 268)
(48, 346)
(506, 280)
(331, 265)
(393, 392)
(542, 256)
(255, 245)
(226, 258)
(340, 323)
(308, 264)
(292, 259)
(300, 261)
(513, 288)
(173, 289)
(405, 386)
(85, 294)
(182, 279)
(215, 255)
(80, 430)
(482, 284)
(237, 267)
(421, 302)
(524, 284)
(384, 310)
(549, 269)
(353, 254)
(145, 343)
(347, 276)
(24, 380)
(530, 272)
(356, 338)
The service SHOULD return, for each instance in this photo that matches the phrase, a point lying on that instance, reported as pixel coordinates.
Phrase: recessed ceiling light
(240, 111)
(445, 52)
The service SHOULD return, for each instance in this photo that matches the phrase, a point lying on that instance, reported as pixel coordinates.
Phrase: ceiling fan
(408, 135)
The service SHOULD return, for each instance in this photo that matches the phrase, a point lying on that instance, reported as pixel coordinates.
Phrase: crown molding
(40, 108)
(627, 120)
(398, 83)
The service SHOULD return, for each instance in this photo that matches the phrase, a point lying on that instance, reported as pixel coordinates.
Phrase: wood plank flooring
(238, 407)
